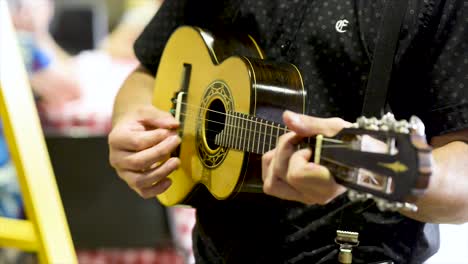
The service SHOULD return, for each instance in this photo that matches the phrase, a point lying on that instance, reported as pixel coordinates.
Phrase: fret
(252, 135)
(228, 130)
(244, 136)
(251, 138)
(238, 128)
(241, 133)
(233, 131)
(277, 134)
(249, 132)
(255, 133)
(264, 136)
(271, 137)
(259, 134)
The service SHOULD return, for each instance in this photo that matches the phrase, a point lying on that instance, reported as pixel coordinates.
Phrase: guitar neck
(252, 134)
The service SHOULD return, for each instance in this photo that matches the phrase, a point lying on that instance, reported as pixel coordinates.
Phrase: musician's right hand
(140, 144)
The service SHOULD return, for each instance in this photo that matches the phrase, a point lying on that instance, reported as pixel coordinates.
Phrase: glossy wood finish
(278, 87)
(257, 86)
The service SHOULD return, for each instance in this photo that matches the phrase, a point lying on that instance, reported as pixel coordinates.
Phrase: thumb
(309, 126)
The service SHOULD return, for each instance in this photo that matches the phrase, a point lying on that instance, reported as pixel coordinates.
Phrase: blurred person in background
(46, 62)
(51, 82)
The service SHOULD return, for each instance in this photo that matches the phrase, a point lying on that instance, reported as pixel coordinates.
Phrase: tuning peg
(382, 204)
(355, 196)
(402, 126)
(417, 125)
(385, 205)
(368, 123)
(388, 118)
(387, 122)
(361, 122)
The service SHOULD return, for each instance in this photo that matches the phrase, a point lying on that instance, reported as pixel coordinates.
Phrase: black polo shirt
(332, 43)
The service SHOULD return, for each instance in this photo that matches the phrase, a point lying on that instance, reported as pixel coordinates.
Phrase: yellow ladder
(46, 230)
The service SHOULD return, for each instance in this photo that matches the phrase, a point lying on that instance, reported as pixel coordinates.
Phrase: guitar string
(255, 123)
(268, 125)
(268, 145)
(359, 182)
(196, 107)
(323, 157)
(260, 134)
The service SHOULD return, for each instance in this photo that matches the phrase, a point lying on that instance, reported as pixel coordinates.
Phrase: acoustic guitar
(229, 100)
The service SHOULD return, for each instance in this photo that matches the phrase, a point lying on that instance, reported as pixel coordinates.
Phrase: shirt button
(285, 46)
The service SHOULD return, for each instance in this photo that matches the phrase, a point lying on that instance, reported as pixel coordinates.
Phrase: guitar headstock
(386, 160)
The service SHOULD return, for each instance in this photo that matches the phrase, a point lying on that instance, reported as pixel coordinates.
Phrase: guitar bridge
(179, 101)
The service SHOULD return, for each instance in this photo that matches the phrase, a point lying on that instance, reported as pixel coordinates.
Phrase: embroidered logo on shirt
(341, 25)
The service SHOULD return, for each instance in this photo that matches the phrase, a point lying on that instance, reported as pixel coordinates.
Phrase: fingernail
(173, 162)
(174, 139)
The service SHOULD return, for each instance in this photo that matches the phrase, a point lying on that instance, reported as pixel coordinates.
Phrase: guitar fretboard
(249, 133)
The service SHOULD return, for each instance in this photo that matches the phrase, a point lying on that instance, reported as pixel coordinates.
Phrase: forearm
(446, 200)
(136, 91)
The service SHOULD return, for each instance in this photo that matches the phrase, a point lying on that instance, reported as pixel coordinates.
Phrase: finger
(284, 150)
(156, 189)
(266, 161)
(308, 125)
(144, 159)
(153, 176)
(152, 116)
(277, 187)
(301, 170)
(317, 172)
(123, 139)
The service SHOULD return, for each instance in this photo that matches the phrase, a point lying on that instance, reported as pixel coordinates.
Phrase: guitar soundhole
(214, 122)
(216, 101)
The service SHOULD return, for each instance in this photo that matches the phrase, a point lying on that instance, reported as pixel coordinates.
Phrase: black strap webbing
(385, 48)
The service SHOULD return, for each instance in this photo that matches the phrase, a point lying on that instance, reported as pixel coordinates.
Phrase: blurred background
(77, 54)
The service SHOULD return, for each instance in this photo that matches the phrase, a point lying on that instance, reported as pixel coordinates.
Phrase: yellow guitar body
(205, 79)
(188, 46)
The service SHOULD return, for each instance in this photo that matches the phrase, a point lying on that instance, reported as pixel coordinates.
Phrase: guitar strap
(385, 49)
(374, 104)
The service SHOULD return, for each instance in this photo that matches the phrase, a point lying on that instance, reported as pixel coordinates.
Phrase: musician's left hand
(289, 174)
